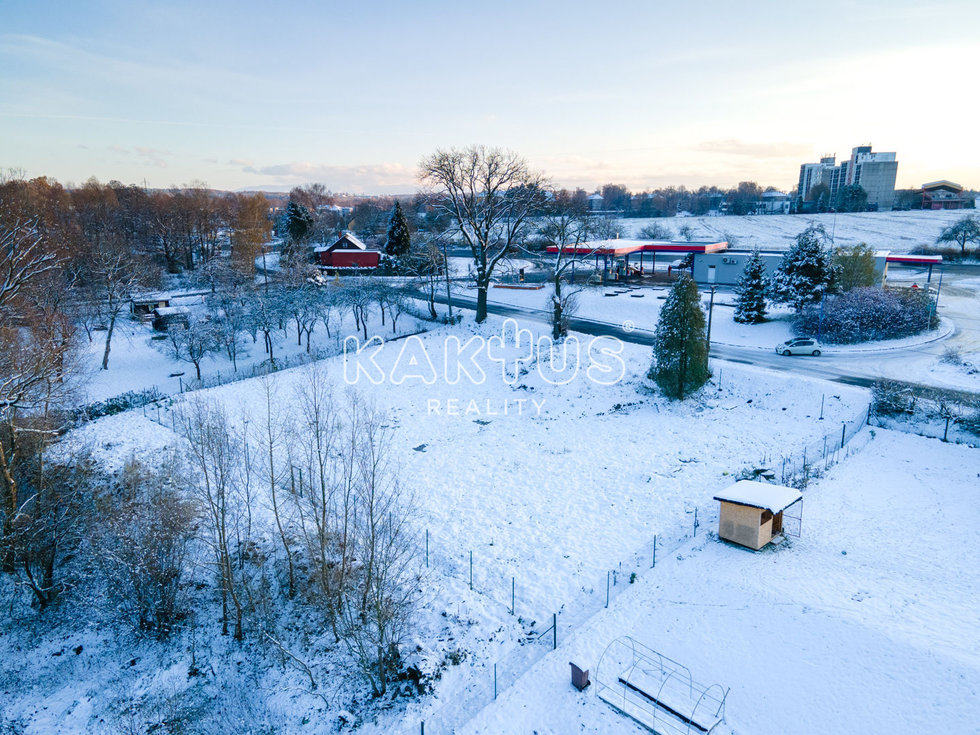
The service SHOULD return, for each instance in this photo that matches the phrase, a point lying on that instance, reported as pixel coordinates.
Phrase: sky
(353, 95)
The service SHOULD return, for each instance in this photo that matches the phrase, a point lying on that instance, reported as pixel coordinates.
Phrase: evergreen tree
(299, 222)
(680, 348)
(399, 240)
(807, 271)
(750, 307)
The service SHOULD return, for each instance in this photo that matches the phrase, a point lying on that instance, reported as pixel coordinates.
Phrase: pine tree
(807, 271)
(399, 240)
(299, 222)
(750, 307)
(680, 348)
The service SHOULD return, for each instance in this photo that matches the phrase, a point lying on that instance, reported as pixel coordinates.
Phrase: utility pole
(711, 305)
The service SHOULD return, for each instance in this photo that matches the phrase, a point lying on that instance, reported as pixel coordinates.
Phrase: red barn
(347, 252)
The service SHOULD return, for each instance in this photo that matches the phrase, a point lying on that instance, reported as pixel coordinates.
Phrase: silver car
(799, 346)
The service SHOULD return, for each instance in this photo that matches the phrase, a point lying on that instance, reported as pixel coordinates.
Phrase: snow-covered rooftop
(774, 498)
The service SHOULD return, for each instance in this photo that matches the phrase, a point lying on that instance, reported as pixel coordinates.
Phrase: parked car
(799, 346)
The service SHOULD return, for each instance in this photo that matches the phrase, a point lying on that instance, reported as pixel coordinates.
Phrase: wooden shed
(754, 514)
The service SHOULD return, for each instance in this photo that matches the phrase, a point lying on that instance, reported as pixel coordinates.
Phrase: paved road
(850, 368)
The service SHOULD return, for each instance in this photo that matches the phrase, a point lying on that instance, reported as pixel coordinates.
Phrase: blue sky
(249, 94)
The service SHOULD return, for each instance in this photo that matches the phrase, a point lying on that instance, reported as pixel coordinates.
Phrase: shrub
(655, 231)
(865, 314)
(891, 397)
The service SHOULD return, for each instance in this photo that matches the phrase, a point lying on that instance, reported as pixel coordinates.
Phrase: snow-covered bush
(140, 550)
(865, 314)
(892, 397)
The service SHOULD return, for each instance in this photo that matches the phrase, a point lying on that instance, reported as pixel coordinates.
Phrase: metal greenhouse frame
(656, 691)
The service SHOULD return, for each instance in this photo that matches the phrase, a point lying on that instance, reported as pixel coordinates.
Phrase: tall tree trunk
(481, 303)
(108, 342)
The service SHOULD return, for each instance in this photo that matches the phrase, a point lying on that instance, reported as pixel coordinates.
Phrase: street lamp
(711, 305)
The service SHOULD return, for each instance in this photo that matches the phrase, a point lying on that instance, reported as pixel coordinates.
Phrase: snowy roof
(774, 498)
(171, 310)
(148, 297)
(352, 239)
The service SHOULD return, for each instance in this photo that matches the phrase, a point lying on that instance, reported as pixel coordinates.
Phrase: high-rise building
(873, 172)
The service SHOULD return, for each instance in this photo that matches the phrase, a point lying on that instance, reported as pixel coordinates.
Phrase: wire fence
(800, 468)
(489, 679)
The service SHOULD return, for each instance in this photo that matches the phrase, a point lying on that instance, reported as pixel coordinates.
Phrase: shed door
(793, 519)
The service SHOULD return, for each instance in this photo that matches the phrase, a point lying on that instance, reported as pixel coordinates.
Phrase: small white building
(774, 202)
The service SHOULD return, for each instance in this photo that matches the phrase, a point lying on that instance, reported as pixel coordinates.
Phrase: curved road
(852, 368)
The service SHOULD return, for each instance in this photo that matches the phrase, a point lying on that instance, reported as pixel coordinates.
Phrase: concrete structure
(752, 512)
(873, 172)
(347, 252)
(812, 174)
(724, 268)
(943, 195)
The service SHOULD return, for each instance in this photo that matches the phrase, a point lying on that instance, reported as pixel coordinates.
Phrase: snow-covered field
(899, 232)
(865, 624)
(549, 486)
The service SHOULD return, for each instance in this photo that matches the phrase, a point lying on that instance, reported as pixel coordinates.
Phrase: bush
(865, 314)
(140, 548)
(891, 398)
(117, 404)
(655, 231)
(948, 253)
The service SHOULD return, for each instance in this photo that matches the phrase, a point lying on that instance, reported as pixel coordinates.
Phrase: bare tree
(377, 617)
(490, 195)
(272, 433)
(215, 456)
(193, 343)
(324, 508)
(567, 229)
(112, 274)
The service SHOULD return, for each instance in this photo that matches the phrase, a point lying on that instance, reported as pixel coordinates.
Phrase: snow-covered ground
(866, 623)
(549, 486)
(899, 232)
(138, 362)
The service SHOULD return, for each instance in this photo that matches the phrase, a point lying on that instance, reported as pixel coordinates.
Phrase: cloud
(735, 147)
(389, 177)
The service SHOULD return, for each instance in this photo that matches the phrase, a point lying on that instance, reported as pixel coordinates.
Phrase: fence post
(607, 589)
(695, 521)
(554, 631)
(471, 570)
(512, 595)
(822, 396)
(495, 681)
(843, 431)
(654, 552)
(427, 548)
